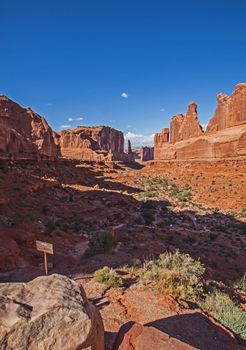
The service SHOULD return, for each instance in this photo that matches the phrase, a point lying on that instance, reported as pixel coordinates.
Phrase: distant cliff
(225, 136)
(24, 133)
(98, 143)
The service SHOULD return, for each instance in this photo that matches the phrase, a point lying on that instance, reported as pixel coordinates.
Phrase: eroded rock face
(50, 313)
(225, 136)
(147, 153)
(24, 133)
(97, 143)
(183, 127)
(231, 110)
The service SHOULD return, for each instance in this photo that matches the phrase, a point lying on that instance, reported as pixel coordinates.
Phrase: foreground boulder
(139, 337)
(50, 313)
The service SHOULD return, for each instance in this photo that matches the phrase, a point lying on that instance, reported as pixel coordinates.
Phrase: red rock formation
(147, 153)
(141, 337)
(161, 137)
(183, 127)
(97, 143)
(24, 133)
(231, 110)
(225, 135)
(129, 148)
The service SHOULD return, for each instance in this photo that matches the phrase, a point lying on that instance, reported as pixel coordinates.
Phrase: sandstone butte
(26, 135)
(225, 136)
(99, 143)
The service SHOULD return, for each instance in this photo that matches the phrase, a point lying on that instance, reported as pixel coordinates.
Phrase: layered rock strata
(225, 136)
(24, 133)
(99, 143)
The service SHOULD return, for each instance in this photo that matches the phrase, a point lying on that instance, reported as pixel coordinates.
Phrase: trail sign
(46, 248)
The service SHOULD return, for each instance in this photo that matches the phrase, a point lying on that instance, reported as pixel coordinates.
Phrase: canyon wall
(231, 110)
(146, 153)
(24, 133)
(99, 143)
(225, 135)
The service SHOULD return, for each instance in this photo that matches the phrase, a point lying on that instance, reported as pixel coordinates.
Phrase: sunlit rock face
(230, 111)
(24, 133)
(225, 136)
(97, 143)
(50, 313)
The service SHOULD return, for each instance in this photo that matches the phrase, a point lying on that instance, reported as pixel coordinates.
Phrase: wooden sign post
(46, 248)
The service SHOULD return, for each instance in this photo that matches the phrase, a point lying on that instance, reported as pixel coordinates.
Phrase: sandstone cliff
(97, 143)
(146, 153)
(183, 127)
(24, 133)
(231, 110)
(225, 136)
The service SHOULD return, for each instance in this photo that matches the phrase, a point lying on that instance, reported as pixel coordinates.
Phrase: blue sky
(74, 59)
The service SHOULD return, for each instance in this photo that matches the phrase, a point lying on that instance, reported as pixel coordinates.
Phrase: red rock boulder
(140, 337)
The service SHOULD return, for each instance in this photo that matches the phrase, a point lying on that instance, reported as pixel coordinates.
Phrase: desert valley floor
(197, 207)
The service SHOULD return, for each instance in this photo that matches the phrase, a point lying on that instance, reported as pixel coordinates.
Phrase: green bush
(175, 273)
(50, 225)
(147, 211)
(159, 187)
(108, 277)
(101, 242)
(241, 283)
(19, 218)
(222, 308)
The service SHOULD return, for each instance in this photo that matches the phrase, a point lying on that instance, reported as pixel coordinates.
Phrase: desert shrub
(174, 273)
(50, 225)
(222, 308)
(241, 283)
(156, 187)
(147, 211)
(45, 209)
(19, 218)
(101, 242)
(108, 277)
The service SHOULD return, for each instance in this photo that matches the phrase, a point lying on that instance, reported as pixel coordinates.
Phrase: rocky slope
(225, 136)
(24, 133)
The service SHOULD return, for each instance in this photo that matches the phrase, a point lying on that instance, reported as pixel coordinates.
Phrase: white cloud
(70, 119)
(139, 139)
(204, 126)
(65, 126)
(124, 95)
(80, 118)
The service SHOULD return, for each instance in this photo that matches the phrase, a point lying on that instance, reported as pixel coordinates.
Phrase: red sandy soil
(63, 202)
